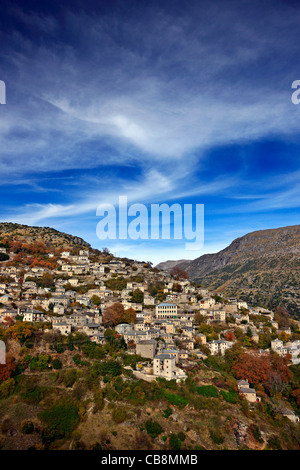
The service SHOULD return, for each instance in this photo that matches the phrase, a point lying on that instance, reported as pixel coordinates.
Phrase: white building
(59, 309)
(242, 304)
(291, 348)
(34, 316)
(207, 302)
(164, 366)
(64, 328)
(219, 315)
(136, 336)
(219, 346)
(166, 310)
(123, 328)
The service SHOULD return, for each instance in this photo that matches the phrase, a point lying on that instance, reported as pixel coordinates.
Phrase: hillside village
(163, 318)
(157, 326)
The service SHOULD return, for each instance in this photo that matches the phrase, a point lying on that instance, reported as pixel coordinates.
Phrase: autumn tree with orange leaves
(116, 314)
(21, 331)
(229, 336)
(112, 315)
(129, 316)
(279, 374)
(271, 371)
(253, 368)
(7, 369)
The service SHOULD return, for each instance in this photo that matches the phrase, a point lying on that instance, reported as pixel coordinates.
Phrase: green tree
(174, 442)
(137, 296)
(56, 364)
(95, 299)
(153, 428)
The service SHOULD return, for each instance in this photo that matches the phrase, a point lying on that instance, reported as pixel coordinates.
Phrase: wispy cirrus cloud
(118, 84)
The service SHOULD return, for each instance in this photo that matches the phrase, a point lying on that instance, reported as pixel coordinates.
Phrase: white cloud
(154, 94)
(129, 94)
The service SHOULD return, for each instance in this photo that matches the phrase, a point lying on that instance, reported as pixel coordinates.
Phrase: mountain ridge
(260, 266)
(47, 235)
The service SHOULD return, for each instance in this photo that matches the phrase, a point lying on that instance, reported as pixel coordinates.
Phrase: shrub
(167, 412)
(7, 388)
(175, 442)
(59, 419)
(176, 400)
(153, 428)
(111, 368)
(68, 377)
(27, 426)
(131, 359)
(230, 397)
(256, 433)
(118, 384)
(119, 415)
(33, 394)
(59, 348)
(93, 350)
(274, 443)
(98, 400)
(79, 390)
(208, 391)
(216, 436)
(40, 362)
(56, 364)
(79, 362)
(96, 446)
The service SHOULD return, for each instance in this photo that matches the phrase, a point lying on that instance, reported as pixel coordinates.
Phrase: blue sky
(161, 101)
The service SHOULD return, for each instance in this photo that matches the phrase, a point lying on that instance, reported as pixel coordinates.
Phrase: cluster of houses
(291, 348)
(165, 332)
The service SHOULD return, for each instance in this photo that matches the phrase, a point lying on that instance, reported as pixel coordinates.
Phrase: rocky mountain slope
(261, 267)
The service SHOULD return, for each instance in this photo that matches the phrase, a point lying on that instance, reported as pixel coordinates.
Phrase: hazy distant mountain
(168, 265)
(261, 267)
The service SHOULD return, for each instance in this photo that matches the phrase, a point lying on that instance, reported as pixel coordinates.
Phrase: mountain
(46, 235)
(168, 265)
(261, 267)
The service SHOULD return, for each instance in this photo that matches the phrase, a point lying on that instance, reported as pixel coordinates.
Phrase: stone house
(64, 328)
(164, 366)
(248, 393)
(146, 348)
